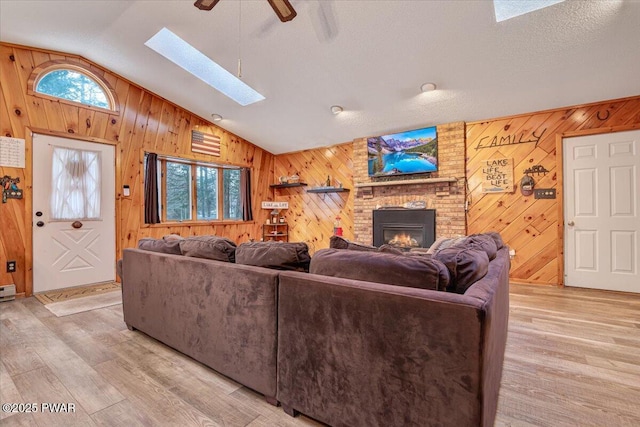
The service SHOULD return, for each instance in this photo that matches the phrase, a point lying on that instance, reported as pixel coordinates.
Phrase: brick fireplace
(443, 191)
(404, 228)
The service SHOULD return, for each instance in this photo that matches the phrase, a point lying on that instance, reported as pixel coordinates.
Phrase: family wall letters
(499, 141)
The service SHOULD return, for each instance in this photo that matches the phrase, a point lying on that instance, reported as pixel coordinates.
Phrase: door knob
(40, 224)
(38, 213)
(571, 223)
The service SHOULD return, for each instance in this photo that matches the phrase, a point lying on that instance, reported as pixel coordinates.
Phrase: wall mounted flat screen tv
(414, 151)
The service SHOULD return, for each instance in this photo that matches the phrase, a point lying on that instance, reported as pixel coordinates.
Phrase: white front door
(73, 213)
(602, 222)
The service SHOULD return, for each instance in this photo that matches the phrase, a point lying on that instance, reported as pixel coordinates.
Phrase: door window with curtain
(75, 184)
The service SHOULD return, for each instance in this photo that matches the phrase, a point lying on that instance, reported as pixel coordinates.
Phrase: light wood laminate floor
(572, 359)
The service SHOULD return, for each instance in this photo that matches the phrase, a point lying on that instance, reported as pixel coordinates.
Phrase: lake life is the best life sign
(497, 176)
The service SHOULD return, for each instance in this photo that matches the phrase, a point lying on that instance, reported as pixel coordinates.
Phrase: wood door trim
(28, 205)
(560, 137)
(68, 135)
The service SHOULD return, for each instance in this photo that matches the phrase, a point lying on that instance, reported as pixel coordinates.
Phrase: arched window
(73, 82)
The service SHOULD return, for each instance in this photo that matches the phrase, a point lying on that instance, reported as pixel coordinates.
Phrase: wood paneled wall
(311, 216)
(533, 228)
(144, 122)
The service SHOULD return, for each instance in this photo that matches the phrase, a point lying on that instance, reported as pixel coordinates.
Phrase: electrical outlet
(11, 266)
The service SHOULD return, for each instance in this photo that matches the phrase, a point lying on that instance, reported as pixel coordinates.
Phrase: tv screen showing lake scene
(414, 151)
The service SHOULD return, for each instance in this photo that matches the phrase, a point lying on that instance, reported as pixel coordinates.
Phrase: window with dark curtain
(151, 210)
(245, 186)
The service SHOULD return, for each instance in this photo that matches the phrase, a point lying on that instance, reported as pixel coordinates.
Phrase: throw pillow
(209, 247)
(497, 238)
(483, 242)
(466, 266)
(337, 242)
(159, 245)
(172, 237)
(390, 249)
(277, 255)
(446, 242)
(410, 271)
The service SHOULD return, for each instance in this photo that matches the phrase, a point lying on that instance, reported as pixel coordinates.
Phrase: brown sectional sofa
(346, 352)
(354, 353)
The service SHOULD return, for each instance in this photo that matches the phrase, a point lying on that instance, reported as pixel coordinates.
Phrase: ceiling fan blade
(205, 4)
(325, 26)
(283, 9)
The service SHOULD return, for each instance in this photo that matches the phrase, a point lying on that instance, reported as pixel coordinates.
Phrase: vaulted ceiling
(369, 56)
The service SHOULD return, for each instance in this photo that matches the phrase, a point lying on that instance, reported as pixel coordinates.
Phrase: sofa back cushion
(380, 267)
(277, 255)
(466, 266)
(209, 247)
(160, 245)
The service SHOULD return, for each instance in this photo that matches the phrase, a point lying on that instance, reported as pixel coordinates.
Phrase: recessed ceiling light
(195, 62)
(507, 9)
(216, 117)
(428, 87)
(336, 109)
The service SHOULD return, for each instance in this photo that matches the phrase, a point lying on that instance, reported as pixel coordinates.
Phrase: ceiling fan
(282, 8)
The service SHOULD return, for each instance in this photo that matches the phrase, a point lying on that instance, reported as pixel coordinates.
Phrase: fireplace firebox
(404, 228)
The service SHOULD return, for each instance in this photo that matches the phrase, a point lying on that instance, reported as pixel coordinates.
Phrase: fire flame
(403, 240)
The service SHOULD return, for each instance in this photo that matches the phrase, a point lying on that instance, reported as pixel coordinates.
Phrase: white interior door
(602, 223)
(73, 232)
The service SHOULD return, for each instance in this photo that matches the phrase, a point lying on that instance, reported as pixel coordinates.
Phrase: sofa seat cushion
(466, 266)
(277, 255)
(209, 247)
(160, 245)
(380, 267)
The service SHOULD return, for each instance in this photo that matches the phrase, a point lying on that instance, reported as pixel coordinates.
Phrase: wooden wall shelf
(275, 232)
(406, 182)
(327, 190)
(296, 184)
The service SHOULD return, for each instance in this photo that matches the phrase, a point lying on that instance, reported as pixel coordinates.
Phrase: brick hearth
(447, 198)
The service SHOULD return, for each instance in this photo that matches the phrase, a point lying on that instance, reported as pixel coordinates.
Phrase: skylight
(507, 9)
(195, 62)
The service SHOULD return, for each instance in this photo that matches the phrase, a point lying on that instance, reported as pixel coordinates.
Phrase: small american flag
(205, 143)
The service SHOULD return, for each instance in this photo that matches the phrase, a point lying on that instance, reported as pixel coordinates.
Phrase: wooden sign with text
(497, 176)
(275, 205)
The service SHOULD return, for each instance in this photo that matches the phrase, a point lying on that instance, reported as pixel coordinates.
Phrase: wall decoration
(10, 188)
(205, 143)
(275, 205)
(537, 169)
(604, 117)
(527, 185)
(497, 176)
(499, 141)
(12, 152)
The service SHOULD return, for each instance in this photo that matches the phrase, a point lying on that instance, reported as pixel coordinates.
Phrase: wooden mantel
(406, 182)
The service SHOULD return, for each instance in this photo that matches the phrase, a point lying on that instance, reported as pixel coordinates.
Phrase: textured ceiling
(368, 56)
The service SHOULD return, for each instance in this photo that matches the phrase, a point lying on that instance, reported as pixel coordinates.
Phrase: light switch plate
(544, 193)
